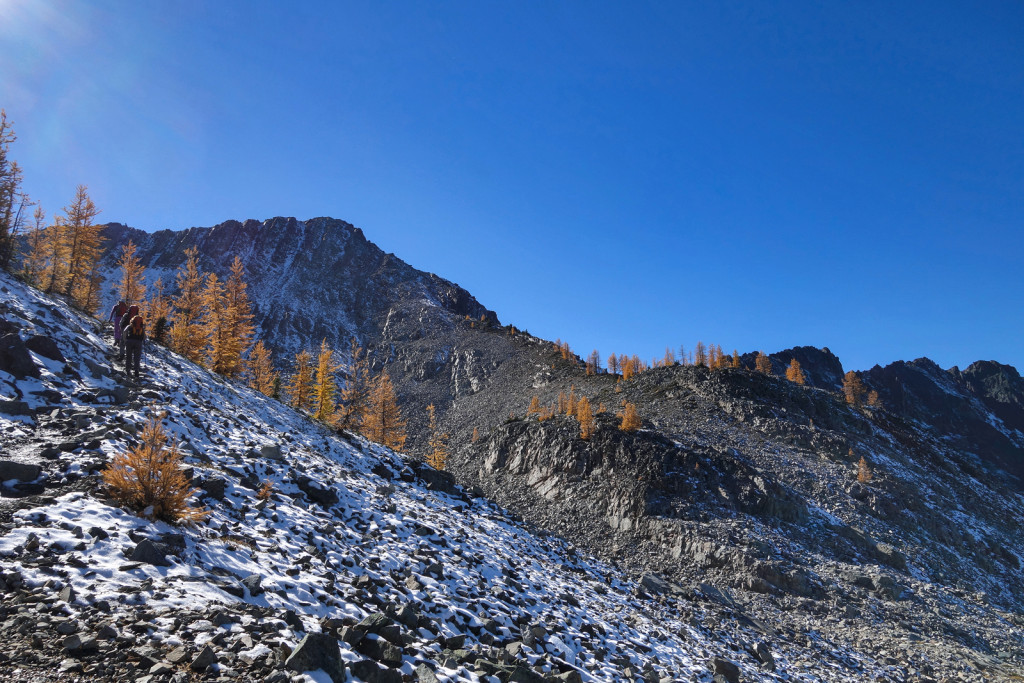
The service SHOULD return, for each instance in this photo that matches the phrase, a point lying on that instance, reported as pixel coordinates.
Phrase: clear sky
(622, 175)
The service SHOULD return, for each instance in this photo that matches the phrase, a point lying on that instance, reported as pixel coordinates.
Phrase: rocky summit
(735, 536)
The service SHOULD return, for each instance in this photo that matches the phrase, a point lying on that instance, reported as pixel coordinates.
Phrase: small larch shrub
(149, 478)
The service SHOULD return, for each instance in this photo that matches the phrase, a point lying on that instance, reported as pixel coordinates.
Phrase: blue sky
(624, 176)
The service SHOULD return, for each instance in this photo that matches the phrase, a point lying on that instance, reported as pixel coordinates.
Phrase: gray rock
(380, 650)
(45, 347)
(9, 469)
(323, 497)
(151, 553)
(424, 674)
(15, 358)
(204, 659)
(764, 655)
(723, 667)
(272, 452)
(655, 583)
(372, 672)
(254, 584)
(317, 651)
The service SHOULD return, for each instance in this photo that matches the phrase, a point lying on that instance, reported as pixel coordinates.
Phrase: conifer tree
(630, 419)
(627, 369)
(700, 354)
(735, 358)
(383, 423)
(670, 357)
(259, 370)
(13, 202)
(238, 327)
(187, 336)
(534, 406)
(594, 362)
(763, 364)
(131, 288)
(355, 392)
(563, 403)
(437, 442)
(151, 478)
(55, 246)
(33, 264)
(300, 384)
(794, 373)
(853, 389)
(84, 243)
(585, 417)
(571, 400)
(324, 384)
(214, 316)
(874, 401)
(158, 310)
(613, 364)
(864, 474)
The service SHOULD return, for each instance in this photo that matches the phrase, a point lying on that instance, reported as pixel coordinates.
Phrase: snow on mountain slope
(403, 573)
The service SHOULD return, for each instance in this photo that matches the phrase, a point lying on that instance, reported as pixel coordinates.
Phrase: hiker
(134, 335)
(126, 319)
(116, 313)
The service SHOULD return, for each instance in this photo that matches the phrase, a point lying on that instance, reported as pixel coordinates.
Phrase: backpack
(136, 329)
(121, 309)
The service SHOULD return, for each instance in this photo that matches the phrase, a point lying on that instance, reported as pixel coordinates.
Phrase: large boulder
(15, 358)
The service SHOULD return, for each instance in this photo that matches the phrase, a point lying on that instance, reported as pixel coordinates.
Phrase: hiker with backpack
(133, 335)
(126, 320)
(116, 313)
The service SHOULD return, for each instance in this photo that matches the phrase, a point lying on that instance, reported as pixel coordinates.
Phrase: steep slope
(739, 480)
(360, 565)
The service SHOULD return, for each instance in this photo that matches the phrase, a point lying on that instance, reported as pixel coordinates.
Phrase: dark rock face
(15, 357)
(957, 406)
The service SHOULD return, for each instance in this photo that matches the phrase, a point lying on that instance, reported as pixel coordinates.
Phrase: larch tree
(238, 317)
(613, 364)
(158, 311)
(571, 401)
(853, 389)
(700, 354)
(33, 263)
(735, 358)
(259, 369)
(593, 362)
(132, 286)
(874, 401)
(55, 249)
(187, 336)
(219, 345)
(383, 423)
(534, 406)
(630, 419)
(355, 391)
(762, 363)
(585, 417)
(84, 244)
(437, 442)
(325, 386)
(794, 373)
(300, 383)
(670, 357)
(864, 473)
(14, 203)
